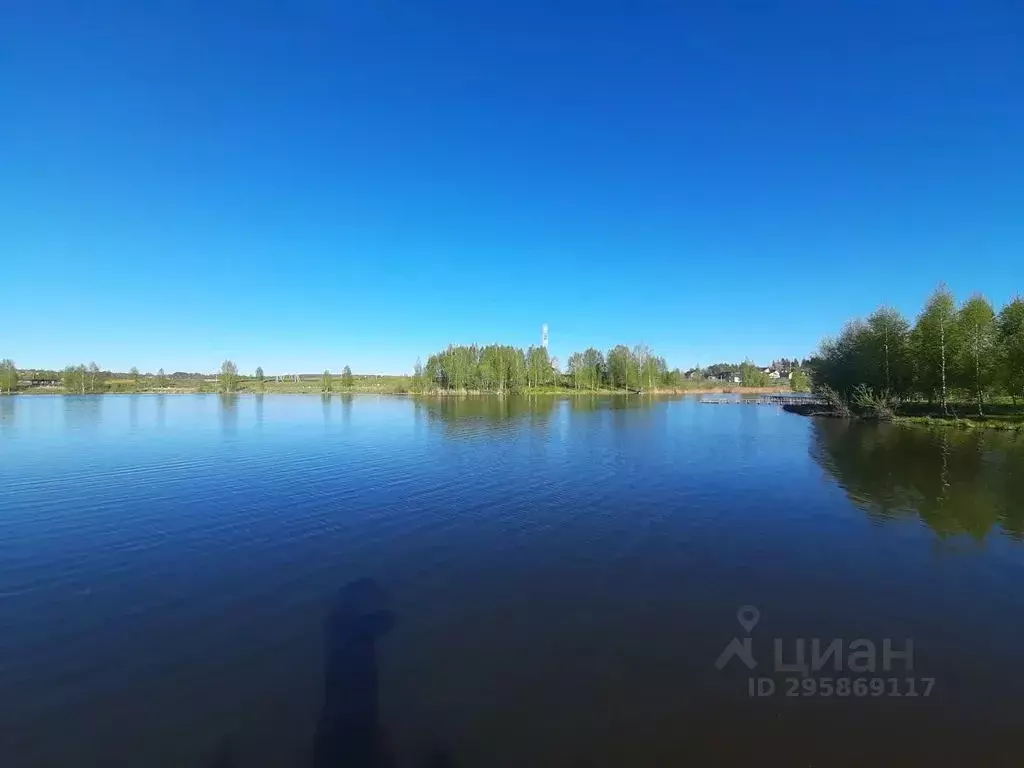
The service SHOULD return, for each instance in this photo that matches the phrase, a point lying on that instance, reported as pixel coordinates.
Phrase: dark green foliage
(621, 367)
(965, 354)
(887, 365)
(752, 376)
(1010, 346)
(801, 381)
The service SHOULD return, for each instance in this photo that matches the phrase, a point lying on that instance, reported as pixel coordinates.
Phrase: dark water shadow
(349, 733)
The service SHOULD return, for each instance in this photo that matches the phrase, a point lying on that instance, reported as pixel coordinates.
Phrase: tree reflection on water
(956, 482)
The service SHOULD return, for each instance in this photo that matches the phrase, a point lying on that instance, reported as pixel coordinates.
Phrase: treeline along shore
(91, 380)
(960, 363)
(456, 370)
(499, 369)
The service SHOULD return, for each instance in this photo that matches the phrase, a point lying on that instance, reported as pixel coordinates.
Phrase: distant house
(728, 376)
(784, 368)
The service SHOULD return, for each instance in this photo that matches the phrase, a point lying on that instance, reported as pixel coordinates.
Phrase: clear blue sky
(302, 185)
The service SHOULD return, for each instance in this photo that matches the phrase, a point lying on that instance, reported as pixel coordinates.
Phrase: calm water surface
(559, 578)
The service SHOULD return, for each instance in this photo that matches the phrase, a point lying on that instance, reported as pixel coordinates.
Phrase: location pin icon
(748, 616)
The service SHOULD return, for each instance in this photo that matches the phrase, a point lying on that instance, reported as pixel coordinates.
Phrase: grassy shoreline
(1011, 424)
(1005, 419)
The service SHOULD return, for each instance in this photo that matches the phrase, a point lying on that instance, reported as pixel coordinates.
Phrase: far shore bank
(277, 389)
(726, 390)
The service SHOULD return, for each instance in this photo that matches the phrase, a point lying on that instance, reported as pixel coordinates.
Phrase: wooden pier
(761, 400)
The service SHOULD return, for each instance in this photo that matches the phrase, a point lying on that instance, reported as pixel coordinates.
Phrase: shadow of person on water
(348, 732)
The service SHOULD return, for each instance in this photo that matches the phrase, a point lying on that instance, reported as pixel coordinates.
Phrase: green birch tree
(75, 379)
(8, 376)
(228, 379)
(886, 356)
(620, 367)
(935, 346)
(96, 378)
(976, 362)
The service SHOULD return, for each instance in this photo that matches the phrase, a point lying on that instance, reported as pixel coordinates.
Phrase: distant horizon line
(288, 374)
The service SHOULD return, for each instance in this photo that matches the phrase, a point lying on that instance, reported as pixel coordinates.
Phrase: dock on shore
(761, 400)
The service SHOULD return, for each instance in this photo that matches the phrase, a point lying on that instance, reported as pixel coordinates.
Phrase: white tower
(544, 335)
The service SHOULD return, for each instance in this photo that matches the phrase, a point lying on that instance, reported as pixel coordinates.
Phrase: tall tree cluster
(752, 376)
(493, 368)
(84, 380)
(965, 351)
(499, 368)
(587, 369)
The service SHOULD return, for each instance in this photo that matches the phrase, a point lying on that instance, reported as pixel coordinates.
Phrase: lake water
(553, 581)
